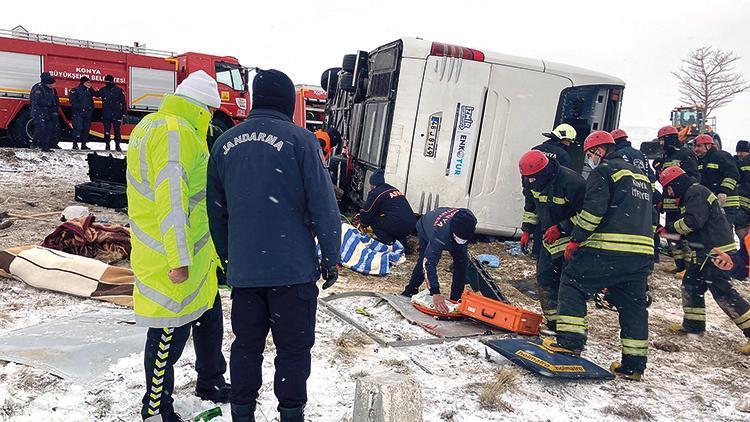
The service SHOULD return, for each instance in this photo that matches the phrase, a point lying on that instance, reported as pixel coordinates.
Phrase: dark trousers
(624, 277)
(536, 246)
(81, 127)
(548, 272)
(694, 285)
(114, 125)
(418, 277)
(388, 232)
(45, 131)
(164, 347)
(289, 313)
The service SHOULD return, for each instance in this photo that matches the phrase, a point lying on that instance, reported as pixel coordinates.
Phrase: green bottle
(207, 415)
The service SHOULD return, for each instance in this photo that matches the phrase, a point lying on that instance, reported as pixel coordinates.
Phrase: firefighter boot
(745, 350)
(551, 345)
(215, 394)
(75, 145)
(677, 328)
(617, 369)
(84, 147)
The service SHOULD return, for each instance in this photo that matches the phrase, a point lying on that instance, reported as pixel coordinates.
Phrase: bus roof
(419, 48)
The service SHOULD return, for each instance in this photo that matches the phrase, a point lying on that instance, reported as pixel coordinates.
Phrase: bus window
(587, 109)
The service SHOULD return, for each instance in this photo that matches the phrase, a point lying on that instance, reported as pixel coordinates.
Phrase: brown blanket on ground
(84, 237)
(61, 272)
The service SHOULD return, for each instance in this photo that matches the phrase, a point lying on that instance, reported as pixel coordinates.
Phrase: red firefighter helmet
(532, 162)
(703, 140)
(596, 139)
(618, 133)
(669, 174)
(666, 130)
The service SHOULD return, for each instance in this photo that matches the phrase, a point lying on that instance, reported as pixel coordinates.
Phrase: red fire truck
(310, 107)
(145, 75)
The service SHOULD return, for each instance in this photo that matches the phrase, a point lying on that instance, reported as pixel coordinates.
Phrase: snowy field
(688, 379)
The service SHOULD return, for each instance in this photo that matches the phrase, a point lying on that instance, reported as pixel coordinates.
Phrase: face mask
(591, 163)
(459, 240)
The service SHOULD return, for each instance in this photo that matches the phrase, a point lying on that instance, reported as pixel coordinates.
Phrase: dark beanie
(109, 78)
(377, 178)
(84, 79)
(273, 89)
(463, 224)
(46, 78)
(743, 146)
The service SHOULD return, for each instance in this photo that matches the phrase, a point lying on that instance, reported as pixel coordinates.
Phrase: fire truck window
(237, 82)
(224, 76)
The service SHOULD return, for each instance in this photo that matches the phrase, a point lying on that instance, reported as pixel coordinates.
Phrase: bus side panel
(447, 127)
(521, 104)
(402, 128)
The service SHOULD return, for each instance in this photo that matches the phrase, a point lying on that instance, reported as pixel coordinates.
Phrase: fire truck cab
(448, 124)
(145, 76)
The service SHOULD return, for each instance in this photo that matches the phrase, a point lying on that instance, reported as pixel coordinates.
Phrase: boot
(243, 412)
(677, 328)
(106, 146)
(292, 414)
(84, 147)
(551, 345)
(75, 145)
(117, 147)
(215, 394)
(745, 350)
(617, 369)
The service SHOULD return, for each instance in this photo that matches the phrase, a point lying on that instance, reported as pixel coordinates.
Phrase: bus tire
(329, 78)
(349, 63)
(347, 82)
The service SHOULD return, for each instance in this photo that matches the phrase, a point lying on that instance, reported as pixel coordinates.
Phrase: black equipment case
(107, 185)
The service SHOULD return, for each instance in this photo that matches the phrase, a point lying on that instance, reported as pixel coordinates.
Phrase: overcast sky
(638, 41)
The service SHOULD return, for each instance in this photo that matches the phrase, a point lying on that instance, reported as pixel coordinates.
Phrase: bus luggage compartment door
(446, 131)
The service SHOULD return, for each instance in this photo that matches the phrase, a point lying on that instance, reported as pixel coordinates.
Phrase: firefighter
(173, 257)
(82, 105)
(638, 159)
(556, 196)
(269, 198)
(114, 107)
(705, 226)
(742, 220)
(675, 154)
(442, 229)
(44, 112)
(611, 247)
(719, 174)
(387, 212)
(558, 143)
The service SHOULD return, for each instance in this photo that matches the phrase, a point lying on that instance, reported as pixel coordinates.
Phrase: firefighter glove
(570, 249)
(552, 234)
(525, 237)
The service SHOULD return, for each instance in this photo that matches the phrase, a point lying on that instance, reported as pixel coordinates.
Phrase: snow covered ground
(688, 378)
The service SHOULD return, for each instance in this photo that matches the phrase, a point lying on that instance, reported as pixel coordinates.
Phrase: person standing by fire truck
(114, 107)
(82, 104)
(44, 106)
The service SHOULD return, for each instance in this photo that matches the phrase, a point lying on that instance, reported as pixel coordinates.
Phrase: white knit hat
(200, 87)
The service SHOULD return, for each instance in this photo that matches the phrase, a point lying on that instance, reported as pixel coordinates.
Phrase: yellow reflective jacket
(167, 162)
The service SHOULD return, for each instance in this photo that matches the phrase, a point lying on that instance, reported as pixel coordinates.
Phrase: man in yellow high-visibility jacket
(173, 256)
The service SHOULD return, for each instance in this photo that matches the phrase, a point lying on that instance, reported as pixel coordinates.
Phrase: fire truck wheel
(21, 130)
(330, 78)
(347, 82)
(349, 62)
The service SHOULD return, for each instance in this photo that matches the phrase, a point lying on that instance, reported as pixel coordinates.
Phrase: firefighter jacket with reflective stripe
(556, 203)
(685, 159)
(635, 157)
(166, 175)
(743, 185)
(616, 217)
(703, 222)
(720, 175)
